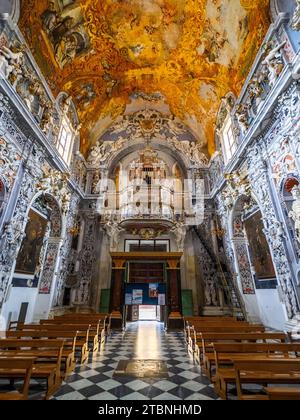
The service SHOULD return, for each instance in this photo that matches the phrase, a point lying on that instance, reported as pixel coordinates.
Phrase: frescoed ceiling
(113, 56)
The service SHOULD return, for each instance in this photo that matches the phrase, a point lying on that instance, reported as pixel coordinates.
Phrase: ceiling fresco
(111, 56)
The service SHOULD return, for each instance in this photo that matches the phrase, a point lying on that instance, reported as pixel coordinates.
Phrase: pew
(265, 371)
(68, 360)
(282, 393)
(97, 329)
(204, 347)
(81, 332)
(106, 318)
(227, 353)
(225, 328)
(47, 364)
(9, 366)
(93, 330)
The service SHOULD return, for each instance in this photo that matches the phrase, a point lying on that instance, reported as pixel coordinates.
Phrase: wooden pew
(81, 332)
(68, 360)
(8, 368)
(83, 328)
(48, 355)
(226, 353)
(97, 330)
(106, 318)
(204, 347)
(265, 371)
(283, 393)
(191, 321)
(225, 328)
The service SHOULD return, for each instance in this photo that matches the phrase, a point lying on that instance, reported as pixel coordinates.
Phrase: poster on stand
(161, 299)
(128, 299)
(137, 297)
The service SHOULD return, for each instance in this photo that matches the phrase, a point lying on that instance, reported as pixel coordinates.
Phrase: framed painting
(259, 248)
(29, 254)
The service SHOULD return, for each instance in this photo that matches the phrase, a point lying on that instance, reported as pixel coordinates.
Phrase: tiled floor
(142, 340)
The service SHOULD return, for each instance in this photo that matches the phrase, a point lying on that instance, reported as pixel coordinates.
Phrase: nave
(142, 340)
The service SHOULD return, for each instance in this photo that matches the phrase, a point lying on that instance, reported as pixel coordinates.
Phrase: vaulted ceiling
(119, 56)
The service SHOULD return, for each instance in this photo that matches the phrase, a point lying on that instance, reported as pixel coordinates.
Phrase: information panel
(145, 294)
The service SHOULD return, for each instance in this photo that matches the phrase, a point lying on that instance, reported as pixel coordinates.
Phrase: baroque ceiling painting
(116, 57)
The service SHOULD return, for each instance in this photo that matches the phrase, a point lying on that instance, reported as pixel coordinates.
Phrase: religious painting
(29, 254)
(63, 29)
(259, 248)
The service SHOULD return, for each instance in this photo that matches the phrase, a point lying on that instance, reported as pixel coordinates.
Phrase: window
(65, 140)
(229, 143)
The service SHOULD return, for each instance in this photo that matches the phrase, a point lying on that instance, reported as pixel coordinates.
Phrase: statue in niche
(295, 212)
(295, 21)
(210, 294)
(95, 187)
(179, 230)
(113, 231)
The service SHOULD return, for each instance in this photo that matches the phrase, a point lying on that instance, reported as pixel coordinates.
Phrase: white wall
(271, 309)
(16, 296)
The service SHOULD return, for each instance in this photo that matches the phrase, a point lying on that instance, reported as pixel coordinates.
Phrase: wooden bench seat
(98, 324)
(46, 365)
(81, 331)
(226, 354)
(265, 372)
(205, 345)
(241, 328)
(68, 359)
(92, 337)
(283, 393)
(8, 367)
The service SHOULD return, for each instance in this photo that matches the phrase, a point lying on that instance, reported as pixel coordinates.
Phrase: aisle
(142, 340)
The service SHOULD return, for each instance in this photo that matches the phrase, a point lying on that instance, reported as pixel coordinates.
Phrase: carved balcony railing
(269, 69)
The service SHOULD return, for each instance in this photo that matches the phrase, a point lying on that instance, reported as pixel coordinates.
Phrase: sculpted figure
(179, 230)
(274, 63)
(11, 61)
(295, 212)
(295, 21)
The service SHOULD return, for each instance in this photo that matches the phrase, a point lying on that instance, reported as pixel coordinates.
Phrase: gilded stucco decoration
(107, 54)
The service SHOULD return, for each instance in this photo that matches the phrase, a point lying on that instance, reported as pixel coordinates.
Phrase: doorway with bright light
(148, 312)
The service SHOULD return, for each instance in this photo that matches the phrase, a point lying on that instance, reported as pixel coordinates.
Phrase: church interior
(150, 200)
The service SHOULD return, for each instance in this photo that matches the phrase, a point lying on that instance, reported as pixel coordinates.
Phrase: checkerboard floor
(142, 340)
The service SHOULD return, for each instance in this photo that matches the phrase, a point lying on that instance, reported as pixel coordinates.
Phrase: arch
(56, 214)
(162, 146)
(286, 201)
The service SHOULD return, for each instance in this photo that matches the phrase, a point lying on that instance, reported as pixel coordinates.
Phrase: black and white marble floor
(142, 340)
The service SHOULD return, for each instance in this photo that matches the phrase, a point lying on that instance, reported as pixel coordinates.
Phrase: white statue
(99, 152)
(11, 61)
(113, 230)
(295, 212)
(295, 21)
(197, 156)
(274, 63)
(179, 230)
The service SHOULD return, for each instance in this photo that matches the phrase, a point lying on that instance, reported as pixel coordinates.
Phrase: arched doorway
(31, 287)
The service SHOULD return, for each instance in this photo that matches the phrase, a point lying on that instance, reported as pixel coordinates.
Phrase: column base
(175, 321)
